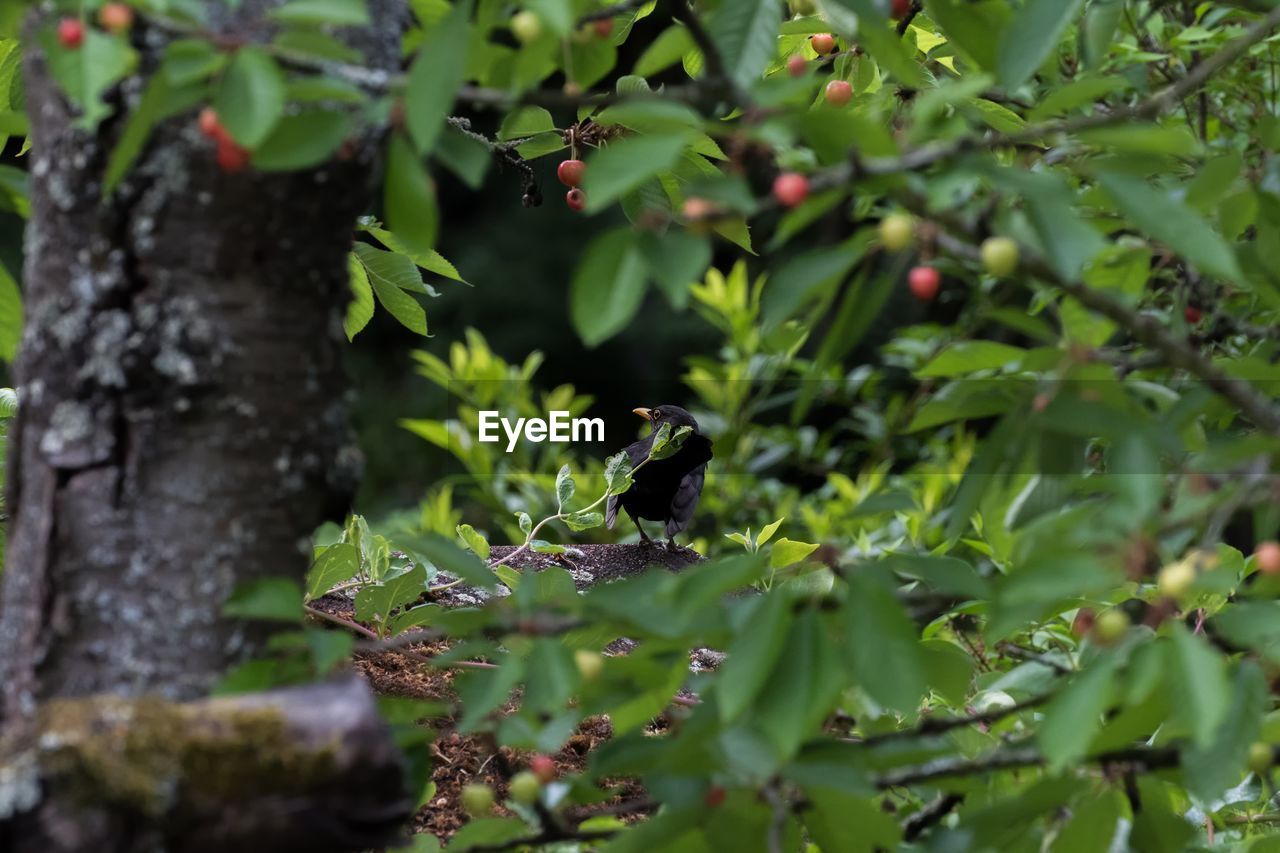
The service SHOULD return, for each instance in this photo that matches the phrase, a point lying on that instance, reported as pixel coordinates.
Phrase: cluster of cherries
(570, 173)
(115, 18)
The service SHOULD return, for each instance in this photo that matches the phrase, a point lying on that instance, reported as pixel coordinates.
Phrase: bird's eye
(657, 414)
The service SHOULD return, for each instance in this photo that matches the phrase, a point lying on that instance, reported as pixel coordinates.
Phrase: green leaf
(1031, 36)
(583, 520)
(374, 603)
(617, 476)
(10, 315)
(624, 165)
(564, 486)
(350, 13)
(666, 442)
(360, 308)
(965, 357)
(251, 98)
(804, 277)
(1164, 218)
(270, 599)
(435, 76)
(303, 140)
(1213, 768)
(1074, 715)
(448, 557)
(675, 260)
(766, 532)
(525, 522)
(409, 197)
(746, 34)
(883, 651)
(973, 28)
(526, 121)
(664, 51)
(159, 100)
(880, 39)
(607, 287)
(336, 564)
(804, 684)
(752, 654)
(188, 61)
(786, 552)
(476, 543)
(1199, 681)
(390, 275)
(87, 73)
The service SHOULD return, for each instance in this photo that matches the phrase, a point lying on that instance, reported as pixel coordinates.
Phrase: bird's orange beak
(647, 414)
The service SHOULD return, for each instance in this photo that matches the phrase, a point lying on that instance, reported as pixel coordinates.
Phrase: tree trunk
(182, 427)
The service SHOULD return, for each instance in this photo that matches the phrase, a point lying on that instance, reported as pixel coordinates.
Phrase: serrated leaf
(746, 34)
(360, 308)
(386, 271)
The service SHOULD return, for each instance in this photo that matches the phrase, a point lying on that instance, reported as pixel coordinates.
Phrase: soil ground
(460, 759)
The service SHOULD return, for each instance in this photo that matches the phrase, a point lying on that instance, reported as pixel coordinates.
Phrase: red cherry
(839, 93)
(1193, 314)
(714, 798)
(790, 188)
(544, 768)
(570, 172)
(1267, 557)
(797, 65)
(576, 199)
(115, 17)
(900, 9)
(823, 42)
(924, 283)
(209, 123)
(231, 156)
(603, 28)
(71, 33)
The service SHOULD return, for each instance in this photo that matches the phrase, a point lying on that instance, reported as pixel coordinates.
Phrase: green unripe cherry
(1000, 256)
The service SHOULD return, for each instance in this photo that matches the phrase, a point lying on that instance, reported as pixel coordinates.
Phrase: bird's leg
(671, 543)
(644, 537)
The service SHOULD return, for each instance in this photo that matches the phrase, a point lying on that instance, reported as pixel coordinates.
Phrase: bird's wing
(685, 500)
(696, 449)
(611, 511)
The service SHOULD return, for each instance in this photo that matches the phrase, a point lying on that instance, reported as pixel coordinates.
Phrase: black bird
(665, 490)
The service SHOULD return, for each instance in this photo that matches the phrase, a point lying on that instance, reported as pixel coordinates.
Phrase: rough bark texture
(182, 426)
